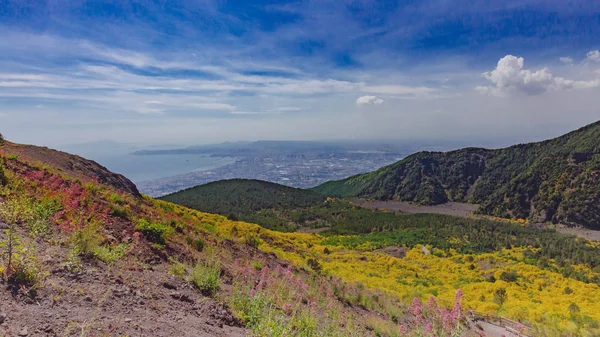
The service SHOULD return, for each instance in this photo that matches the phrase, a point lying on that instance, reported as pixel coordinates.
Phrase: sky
(203, 71)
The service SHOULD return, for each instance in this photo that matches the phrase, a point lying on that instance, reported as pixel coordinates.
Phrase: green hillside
(248, 200)
(286, 209)
(557, 180)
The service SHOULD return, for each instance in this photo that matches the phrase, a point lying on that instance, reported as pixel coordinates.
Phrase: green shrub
(509, 276)
(116, 199)
(253, 240)
(206, 276)
(119, 212)
(86, 241)
(259, 315)
(177, 269)
(198, 243)
(110, 254)
(3, 178)
(43, 210)
(257, 264)
(574, 309)
(154, 231)
(314, 264)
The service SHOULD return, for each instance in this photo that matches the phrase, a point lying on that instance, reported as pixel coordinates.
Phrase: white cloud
(288, 108)
(269, 112)
(566, 60)
(397, 89)
(368, 100)
(594, 55)
(509, 77)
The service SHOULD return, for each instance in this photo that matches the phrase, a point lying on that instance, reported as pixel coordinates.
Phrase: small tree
(18, 263)
(3, 179)
(9, 248)
(1, 139)
(500, 296)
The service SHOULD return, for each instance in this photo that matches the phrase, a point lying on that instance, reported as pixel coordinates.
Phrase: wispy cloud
(566, 60)
(125, 80)
(283, 66)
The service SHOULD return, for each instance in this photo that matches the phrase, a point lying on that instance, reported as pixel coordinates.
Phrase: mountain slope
(87, 258)
(72, 165)
(82, 254)
(268, 204)
(557, 180)
(241, 195)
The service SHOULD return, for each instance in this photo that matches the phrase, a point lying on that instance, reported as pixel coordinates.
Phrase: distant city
(296, 164)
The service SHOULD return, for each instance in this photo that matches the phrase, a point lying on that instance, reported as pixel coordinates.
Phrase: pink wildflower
(520, 328)
(403, 329)
(457, 309)
(415, 308)
(429, 327)
(432, 304)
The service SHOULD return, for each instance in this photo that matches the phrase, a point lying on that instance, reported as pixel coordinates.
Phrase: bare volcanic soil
(585, 233)
(449, 208)
(128, 298)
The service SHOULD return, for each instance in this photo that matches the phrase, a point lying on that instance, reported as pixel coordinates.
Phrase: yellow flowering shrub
(536, 296)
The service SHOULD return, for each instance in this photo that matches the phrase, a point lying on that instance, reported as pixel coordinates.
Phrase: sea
(137, 168)
(146, 168)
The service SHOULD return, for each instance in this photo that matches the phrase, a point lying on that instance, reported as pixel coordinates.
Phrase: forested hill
(557, 180)
(242, 196)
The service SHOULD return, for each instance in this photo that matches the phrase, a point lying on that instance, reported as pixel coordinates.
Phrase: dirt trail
(492, 330)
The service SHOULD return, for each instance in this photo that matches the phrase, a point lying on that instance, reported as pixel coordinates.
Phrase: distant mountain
(306, 148)
(556, 180)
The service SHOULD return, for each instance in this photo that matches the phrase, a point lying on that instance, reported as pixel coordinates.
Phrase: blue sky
(209, 71)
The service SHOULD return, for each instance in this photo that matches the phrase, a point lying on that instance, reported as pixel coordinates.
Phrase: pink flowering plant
(431, 320)
(278, 302)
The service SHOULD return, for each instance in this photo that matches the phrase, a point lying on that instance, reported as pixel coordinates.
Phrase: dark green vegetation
(283, 208)
(557, 180)
(272, 205)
